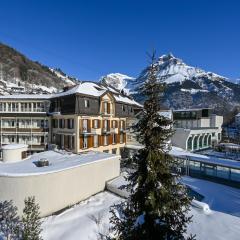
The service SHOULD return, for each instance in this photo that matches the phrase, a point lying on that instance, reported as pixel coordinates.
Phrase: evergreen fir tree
(31, 223)
(9, 221)
(158, 203)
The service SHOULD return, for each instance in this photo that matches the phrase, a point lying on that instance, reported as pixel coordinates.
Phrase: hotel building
(89, 116)
(24, 120)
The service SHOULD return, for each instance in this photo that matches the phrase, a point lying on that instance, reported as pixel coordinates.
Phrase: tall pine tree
(9, 221)
(158, 203)
(31, 223)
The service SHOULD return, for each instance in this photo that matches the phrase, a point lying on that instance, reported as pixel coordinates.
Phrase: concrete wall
(57, 190)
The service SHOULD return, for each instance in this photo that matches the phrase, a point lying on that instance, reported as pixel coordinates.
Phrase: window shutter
(90, 141)
(108, 108)
(93, 125)
(124, 137)
(118, 138)
(99, 140)
(81, 142)
(81, 125)
(110, 139)
(102, 107)
(88, 125)
(116, 123)
(108, 125)
(99, 123)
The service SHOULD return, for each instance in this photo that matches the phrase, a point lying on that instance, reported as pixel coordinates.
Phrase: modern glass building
(215, 169)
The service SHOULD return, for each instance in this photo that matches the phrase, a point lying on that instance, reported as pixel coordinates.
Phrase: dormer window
(86, 103)
(123, 108)
(105, 107)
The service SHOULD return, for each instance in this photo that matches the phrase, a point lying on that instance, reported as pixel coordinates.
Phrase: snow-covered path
(222, 223)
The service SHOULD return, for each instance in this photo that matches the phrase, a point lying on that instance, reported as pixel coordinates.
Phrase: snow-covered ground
(223, 223)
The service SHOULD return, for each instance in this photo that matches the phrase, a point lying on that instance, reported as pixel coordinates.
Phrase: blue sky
(88, 39)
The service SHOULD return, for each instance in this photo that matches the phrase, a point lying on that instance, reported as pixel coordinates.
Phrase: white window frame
(95, 141)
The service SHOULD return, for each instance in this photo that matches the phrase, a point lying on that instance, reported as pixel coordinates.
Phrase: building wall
(59, 135)
(67, 186)
(24, 121)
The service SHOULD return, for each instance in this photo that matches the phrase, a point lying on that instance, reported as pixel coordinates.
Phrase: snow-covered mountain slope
(187, 86)
(118, 81)
(18, 74)
(67, 79)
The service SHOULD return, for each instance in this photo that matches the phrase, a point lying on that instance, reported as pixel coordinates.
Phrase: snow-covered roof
(179, 152)
(126, 100)
(14, 146)
(26, 96)
(189, 110)
(84, 88)
(58, 161)
(97, 90)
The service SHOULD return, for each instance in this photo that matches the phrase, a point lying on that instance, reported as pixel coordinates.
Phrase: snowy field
(85, 220)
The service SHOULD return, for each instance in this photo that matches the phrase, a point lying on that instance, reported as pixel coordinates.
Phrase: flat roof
(179, 152)
(27, 96)
(190, 109)
(58, 161)
(14, 146)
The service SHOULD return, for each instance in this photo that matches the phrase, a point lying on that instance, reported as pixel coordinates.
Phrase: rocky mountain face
(186, 86)
(18, 74)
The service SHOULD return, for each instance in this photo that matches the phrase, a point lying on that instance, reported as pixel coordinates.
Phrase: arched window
(209, 140)
(195, 143)
(189, 144)
(205, 140)
(200, 141)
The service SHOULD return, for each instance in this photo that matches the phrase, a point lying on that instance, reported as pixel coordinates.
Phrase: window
(113, 138)
(121, 124)
(86, 103)
(105, 124)
(114, 151)
(70, 123)
(9, 107)
(213, 134)
(85, 125)
(85, 142)
(95, 123)
(15, 107)
(61, 123)
(95, 141)
(121, 138)
(105, 140)
(123, 108)
(105, 107)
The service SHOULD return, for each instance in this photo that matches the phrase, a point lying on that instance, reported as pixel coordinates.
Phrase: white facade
(13, 152)
(197, 131)
(69, 178)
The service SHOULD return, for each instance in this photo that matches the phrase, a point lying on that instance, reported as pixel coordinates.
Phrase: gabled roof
(97, 90)
(83, 88)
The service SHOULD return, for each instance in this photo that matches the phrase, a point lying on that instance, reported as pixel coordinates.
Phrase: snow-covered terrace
(58, 161)
(70, 178)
